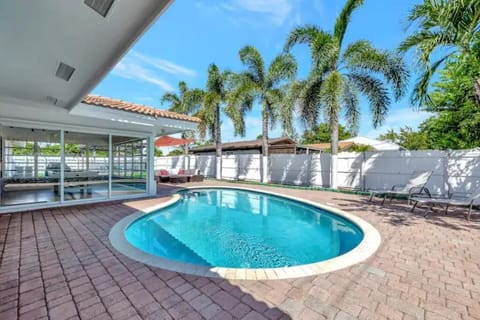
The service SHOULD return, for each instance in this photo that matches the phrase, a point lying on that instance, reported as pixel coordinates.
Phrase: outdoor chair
(452, 199)
(416, 185)
(162, 175)
(193, 175)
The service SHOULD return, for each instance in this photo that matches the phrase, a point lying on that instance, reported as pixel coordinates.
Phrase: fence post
(362, 172)
(445, 171)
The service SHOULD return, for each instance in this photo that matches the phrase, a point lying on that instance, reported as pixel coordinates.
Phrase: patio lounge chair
(162, 175)
(452, 199)
(414, 186)
(193, 175)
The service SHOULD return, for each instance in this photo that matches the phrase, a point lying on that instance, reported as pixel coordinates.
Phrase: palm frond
(301, 35)
(216, 81)
(282, 68)
(375, 92)
(420, 95)
(331, 92)
(253, 60)
(286, 110)
(362, 57)
(343, 19)
(309, 100)
(351, 105)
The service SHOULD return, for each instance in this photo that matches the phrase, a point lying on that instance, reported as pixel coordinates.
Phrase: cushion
(163, 172)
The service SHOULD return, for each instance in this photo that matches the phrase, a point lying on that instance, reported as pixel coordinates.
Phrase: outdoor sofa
(181, 176)
(450, 200)
(416, 185)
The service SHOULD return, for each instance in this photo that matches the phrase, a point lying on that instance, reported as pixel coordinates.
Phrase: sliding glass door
(30, 166)
(86, 168)
(36, 169)
(129, 172)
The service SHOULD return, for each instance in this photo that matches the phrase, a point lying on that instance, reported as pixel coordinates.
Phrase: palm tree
(187, 102)
(263, 84)
(339, 73)
(443, 28)
(214, 99)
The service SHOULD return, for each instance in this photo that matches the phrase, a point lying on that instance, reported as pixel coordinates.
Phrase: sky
(192, 34)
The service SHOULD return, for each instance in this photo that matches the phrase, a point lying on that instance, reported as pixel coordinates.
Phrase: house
(60, 145)
(347, 144)
(282, 145)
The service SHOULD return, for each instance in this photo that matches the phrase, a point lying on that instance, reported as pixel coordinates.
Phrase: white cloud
(400, 118)
(276, 12)
(141, 67)
(163, 65)
(129, 69)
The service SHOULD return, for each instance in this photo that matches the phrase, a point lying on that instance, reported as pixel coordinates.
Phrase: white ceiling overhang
(37, 36)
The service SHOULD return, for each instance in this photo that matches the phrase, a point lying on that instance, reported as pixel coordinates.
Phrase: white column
(62, 165)
(218, 167)
(110, 165)
(151, 184)
(334, 171)
(35, 159)
(265, 169)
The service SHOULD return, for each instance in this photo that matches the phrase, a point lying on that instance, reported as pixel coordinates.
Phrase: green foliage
(408, 138)
(52, 150)
(321, 134)
(158, 152)
(360, 148)
(176, 152)
(441, 29)
(457, 123)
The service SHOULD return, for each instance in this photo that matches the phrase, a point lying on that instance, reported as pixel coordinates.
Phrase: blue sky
(191, 34)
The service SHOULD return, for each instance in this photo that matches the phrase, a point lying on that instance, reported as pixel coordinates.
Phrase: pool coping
(366, 248)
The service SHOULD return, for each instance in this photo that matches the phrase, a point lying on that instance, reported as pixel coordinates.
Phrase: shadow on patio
(59, 263)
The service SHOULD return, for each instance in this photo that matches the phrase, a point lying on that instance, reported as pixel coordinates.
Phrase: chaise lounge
(450, 200)
(416, 185)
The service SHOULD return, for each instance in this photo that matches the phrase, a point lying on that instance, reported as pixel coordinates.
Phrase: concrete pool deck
(59, 264)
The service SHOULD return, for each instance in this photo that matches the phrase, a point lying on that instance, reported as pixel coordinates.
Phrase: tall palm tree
(265, 85)
(339, 73)
(214, 98)
(443, 28)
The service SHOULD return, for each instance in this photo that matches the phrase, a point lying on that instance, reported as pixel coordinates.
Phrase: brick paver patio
(58, 264)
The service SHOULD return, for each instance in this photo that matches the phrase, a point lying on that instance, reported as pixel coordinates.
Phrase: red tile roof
(118, 104)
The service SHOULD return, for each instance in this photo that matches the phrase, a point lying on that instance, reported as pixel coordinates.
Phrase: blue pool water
(242, 229)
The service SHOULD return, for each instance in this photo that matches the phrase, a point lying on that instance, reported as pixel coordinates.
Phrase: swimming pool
(238, 229)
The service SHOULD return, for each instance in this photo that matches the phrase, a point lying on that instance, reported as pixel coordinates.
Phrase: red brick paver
(59, 264)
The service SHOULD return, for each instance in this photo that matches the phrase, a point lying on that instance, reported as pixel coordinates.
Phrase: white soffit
(159, 124)
(37, 36)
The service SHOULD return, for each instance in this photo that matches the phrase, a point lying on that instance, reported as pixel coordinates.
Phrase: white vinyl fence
(453, 171)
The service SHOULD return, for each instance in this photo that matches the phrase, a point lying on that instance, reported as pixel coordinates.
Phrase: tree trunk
(477, 90)
(334, 151)
(264, 144)
(218, 143)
